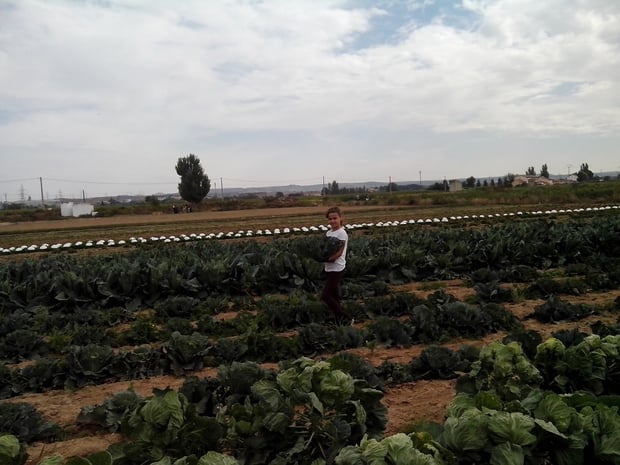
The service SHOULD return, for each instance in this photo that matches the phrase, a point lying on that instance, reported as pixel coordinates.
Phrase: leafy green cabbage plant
(309, 412)
(592, 365)
(398, 449)
(11, 451)
(503, 369)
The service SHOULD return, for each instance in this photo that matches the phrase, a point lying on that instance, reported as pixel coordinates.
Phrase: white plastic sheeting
(76, 209)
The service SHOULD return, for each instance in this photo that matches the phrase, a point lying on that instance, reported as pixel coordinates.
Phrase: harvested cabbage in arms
(328, 247)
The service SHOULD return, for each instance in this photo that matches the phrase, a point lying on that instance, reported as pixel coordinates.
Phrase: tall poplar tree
(195, 184)
(585, 173)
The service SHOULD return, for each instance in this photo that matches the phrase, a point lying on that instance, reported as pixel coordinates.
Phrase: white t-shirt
(340, 262)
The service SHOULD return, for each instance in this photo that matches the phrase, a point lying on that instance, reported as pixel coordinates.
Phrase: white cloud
(153, 80)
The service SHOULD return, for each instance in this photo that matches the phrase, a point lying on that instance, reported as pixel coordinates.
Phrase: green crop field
(205, 342)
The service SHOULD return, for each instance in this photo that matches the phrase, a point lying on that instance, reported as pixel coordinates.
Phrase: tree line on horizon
(583, 175)
(195, 184)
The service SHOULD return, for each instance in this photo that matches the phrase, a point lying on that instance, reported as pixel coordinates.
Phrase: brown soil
(310, 215)
(126, 226)
(203, 216)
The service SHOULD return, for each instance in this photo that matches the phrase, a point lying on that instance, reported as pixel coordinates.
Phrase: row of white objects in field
(281, 231)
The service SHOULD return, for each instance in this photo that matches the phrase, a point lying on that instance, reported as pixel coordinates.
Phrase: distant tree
(530, 171)
(492, 182)
(584, 173)
(544, 171)
(406, 187)
(438, 186)
(485, 183)
(469, 182)
(195, 184)
(478, 183)
(331, 189)
(152, 199)
(508, 179)
(391, 187)
(500, 182)
(353, 190)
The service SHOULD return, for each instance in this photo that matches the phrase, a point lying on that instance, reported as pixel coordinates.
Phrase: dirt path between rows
(315, 213)
(123, 227)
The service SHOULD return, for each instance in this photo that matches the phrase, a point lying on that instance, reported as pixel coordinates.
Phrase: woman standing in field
(335, 265)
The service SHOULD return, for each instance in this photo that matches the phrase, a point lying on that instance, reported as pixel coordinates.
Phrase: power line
(109, 182)
(269, 181)
(18, 180)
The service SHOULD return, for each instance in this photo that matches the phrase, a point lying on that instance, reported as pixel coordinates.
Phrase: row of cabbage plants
(510, 409)
(72, 362)
(559, 407)
(64, 357)
(209, 269)
(282, 231)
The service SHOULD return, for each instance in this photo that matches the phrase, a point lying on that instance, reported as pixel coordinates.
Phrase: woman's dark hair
(333, 210)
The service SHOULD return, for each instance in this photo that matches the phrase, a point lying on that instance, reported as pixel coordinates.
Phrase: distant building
(527, 180)
(76, 209)
(455, 185)
(541, 181)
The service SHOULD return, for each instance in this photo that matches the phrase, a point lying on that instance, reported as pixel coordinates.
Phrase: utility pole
(222, 187)
(390, 185)
(22, 194)
(41, 183)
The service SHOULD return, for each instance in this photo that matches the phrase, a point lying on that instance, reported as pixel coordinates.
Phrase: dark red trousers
(331, 292)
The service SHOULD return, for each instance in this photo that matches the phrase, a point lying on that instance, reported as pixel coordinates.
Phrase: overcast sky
(102, 97)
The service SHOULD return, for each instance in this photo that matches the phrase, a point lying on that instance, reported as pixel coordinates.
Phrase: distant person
(335, 266)
(175, 209)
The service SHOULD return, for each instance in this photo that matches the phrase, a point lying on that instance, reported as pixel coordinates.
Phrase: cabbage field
(517, 313)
